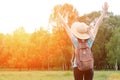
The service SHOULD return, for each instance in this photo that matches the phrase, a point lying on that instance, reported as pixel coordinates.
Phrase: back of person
(84, 56)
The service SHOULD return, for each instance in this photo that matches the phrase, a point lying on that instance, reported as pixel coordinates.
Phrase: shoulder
(90, 42)
(74, 41)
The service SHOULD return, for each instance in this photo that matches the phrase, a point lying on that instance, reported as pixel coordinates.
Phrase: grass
(107, 75)
(54, 75)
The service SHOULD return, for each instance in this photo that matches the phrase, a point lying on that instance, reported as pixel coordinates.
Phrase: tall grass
(55, 75)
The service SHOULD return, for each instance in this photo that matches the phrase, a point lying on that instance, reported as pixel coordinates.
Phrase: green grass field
(54, 75)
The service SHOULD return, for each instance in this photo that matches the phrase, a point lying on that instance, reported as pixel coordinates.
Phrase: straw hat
(80, 30)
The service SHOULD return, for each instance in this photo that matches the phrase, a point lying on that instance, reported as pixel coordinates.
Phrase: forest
(52, 49)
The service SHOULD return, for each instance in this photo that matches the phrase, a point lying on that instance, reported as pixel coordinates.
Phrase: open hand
(105, 7)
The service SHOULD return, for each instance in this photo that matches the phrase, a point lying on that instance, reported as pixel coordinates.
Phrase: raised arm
(67, 28)
(100, 19)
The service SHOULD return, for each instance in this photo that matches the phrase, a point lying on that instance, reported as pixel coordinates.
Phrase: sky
(33, 14)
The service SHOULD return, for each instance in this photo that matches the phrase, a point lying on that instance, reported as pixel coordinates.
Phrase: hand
(105, 7)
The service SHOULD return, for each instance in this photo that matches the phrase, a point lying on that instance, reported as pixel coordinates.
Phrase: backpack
(84, 56)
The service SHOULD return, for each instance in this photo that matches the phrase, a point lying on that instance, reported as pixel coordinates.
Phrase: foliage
(113, 47)
(43, 49)
(89, 18)
(62, 42)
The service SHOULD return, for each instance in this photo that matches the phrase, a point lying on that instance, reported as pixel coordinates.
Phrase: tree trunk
(63, 67)
(116, 65)
(48, 66)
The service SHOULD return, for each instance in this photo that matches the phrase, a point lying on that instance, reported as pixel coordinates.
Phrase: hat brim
(79, 35)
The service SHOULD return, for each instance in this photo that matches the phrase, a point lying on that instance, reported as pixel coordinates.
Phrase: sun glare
(29, 14)
(33, 14)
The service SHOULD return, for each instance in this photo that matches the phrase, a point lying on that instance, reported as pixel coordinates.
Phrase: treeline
(52, 49)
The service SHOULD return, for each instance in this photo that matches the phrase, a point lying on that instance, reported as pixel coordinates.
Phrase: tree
(69, 13)
(113, 48)
(61, 40)
(39, 49)
(4, 54)
(89, 18)
(18, 48)
(99, 49)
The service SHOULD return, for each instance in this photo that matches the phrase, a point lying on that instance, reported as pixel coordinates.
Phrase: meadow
(54, 75)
